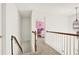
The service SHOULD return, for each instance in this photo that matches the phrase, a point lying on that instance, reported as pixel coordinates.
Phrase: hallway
(26, 46)
(43, 49)
(17, 21)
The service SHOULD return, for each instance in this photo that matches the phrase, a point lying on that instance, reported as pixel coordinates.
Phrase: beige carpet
(43, 49)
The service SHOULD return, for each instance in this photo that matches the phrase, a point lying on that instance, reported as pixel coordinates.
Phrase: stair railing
(68, 41)
(14, 38)
(35, 45)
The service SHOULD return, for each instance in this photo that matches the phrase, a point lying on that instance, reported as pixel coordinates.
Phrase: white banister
(78, 45)
(64, 45)
(74, 45)
(68, 45)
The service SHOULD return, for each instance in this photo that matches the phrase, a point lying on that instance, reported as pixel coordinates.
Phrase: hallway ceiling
(56, 8)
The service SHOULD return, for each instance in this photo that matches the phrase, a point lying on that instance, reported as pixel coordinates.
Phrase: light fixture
(76, 22)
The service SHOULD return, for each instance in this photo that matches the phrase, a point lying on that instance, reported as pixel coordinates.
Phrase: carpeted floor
(43, 49)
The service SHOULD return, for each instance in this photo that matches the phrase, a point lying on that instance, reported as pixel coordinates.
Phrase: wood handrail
(62, 33)
(35, 40)
(33, 31)
(13, 37)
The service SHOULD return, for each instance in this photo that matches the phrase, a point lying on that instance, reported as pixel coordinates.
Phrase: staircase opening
(25, 29)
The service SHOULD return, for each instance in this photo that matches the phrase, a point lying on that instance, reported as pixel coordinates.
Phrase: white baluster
(70, 45)
(67, 45)
(64, 46)
(74, 45)
(78, 45)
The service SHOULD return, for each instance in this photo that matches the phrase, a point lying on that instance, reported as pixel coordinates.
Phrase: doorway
(40, 29)
(25, 29)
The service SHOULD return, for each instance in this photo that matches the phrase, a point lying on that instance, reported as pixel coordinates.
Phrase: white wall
(3, 28)
(12, 27)
(0, 28)
(0, 20)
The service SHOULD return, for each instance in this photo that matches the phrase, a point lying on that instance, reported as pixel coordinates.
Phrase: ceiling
(56, 8)
(25, 13)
